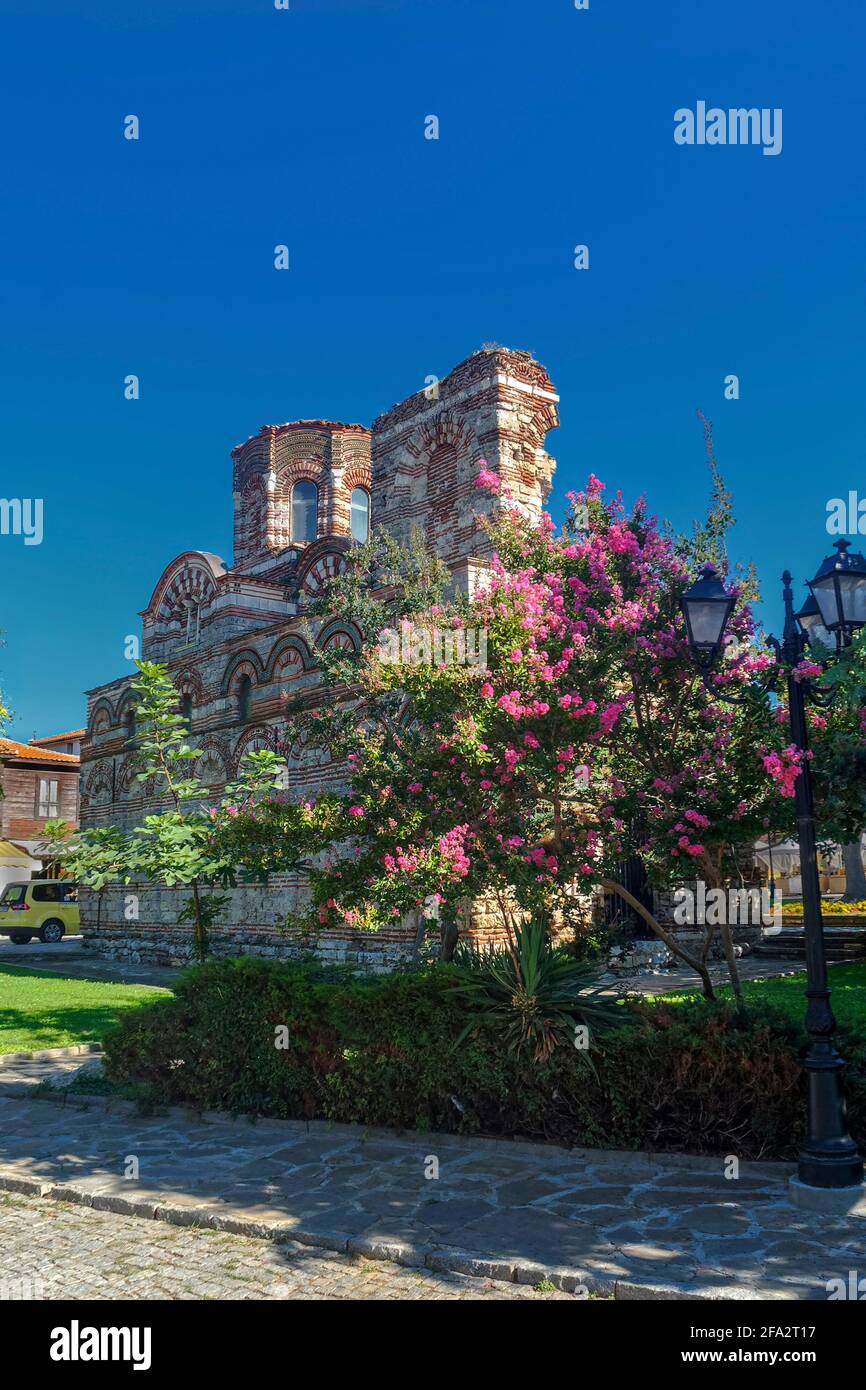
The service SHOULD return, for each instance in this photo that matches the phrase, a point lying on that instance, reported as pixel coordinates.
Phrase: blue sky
(306, 127)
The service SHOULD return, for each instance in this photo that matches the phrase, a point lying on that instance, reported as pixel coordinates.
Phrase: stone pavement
(631, 1225)
(68, 957)
(21, 1072)
(60, 1250)
(674, 981)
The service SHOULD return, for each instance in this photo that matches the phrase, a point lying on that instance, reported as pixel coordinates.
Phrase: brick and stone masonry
(236, 639)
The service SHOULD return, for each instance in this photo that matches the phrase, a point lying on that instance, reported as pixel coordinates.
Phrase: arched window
(130, 724)
(186, 712)
(305, 507)
(360, 517)
(245, 694)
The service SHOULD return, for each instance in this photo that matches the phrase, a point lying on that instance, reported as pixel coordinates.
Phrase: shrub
(385, 1051)
(532, 993)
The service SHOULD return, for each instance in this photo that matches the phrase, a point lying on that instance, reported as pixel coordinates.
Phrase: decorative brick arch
(288, 655)
(188, 681)
(96, 788)
(339, 634)
(128, 702)
(326, 565)
(312, 470)
(258, 736)
(189, 579)
(311, 769)
(245, 663)
(211, 767)
(102, 716)
(435, 472)
(357, 474)
(127, 784)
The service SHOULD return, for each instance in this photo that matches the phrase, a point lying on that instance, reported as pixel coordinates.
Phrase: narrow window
(360, 513)
(130, 726)
(305, 507)
(186, 712)
(245, 694)
(193, 621)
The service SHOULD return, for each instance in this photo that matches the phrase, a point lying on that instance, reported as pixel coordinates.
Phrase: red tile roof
(25, 752)
(59, 738)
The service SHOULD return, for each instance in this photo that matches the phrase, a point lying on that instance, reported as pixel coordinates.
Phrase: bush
(384, 1051)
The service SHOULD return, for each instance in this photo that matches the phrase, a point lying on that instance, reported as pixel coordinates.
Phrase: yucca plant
(531, 992)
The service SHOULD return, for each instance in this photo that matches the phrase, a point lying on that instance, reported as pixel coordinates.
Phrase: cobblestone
(56, 1250)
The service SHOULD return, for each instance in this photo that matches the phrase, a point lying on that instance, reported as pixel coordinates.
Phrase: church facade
(236, 638)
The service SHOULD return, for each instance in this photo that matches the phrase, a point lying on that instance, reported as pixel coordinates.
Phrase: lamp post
(829, 1158)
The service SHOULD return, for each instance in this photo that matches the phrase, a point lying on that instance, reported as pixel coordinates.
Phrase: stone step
(781, 950)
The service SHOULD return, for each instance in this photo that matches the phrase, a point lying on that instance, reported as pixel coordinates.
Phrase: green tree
(188, 842)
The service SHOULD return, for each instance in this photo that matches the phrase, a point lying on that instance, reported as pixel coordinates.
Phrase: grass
(42, 1009)
(785, 994)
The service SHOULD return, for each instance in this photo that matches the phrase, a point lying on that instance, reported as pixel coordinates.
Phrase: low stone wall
(252, 924)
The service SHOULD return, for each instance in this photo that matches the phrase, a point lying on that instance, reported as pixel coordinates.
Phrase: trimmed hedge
(384, 1051)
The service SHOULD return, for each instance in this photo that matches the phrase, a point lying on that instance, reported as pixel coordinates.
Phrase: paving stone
(639, 1220)
(709, 1220)
(41, 1241)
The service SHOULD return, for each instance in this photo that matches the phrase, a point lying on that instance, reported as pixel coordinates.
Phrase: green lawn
(786, 993)
(41, 1009)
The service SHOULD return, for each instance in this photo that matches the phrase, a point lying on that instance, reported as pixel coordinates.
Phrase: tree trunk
(448, 934)
(855, 878)
(733, 970)
(699, 966)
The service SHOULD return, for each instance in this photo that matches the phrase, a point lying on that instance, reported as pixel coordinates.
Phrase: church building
(236, 640)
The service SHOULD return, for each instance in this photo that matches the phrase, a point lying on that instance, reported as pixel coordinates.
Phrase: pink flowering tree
(583, 735)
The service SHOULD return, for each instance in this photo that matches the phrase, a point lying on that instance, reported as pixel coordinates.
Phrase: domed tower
(296, 484)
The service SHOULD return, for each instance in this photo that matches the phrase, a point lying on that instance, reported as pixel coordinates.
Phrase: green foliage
(531, 994)
(688, 1077)
(187, 842)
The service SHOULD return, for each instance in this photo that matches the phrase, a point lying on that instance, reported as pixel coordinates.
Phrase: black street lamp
(829, 1157)
(812, 624)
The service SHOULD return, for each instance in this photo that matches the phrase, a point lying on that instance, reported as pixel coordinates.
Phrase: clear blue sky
(261, 126)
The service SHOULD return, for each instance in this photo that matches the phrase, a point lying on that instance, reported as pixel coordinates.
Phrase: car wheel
(20, 938)
(51, 931)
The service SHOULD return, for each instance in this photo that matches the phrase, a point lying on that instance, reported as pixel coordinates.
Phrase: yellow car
(43, 907)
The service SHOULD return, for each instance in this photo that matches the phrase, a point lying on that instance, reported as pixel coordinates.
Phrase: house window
(186, 712)
(47, 797)
(245, 695)
(360, 516)
(305, 507)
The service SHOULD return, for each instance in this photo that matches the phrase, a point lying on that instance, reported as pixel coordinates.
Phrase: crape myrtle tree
(581, 736)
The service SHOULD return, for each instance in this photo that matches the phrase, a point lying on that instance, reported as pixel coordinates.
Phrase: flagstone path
(632, 1225)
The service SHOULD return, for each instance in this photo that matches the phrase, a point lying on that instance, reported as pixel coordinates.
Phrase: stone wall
(252, 923)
